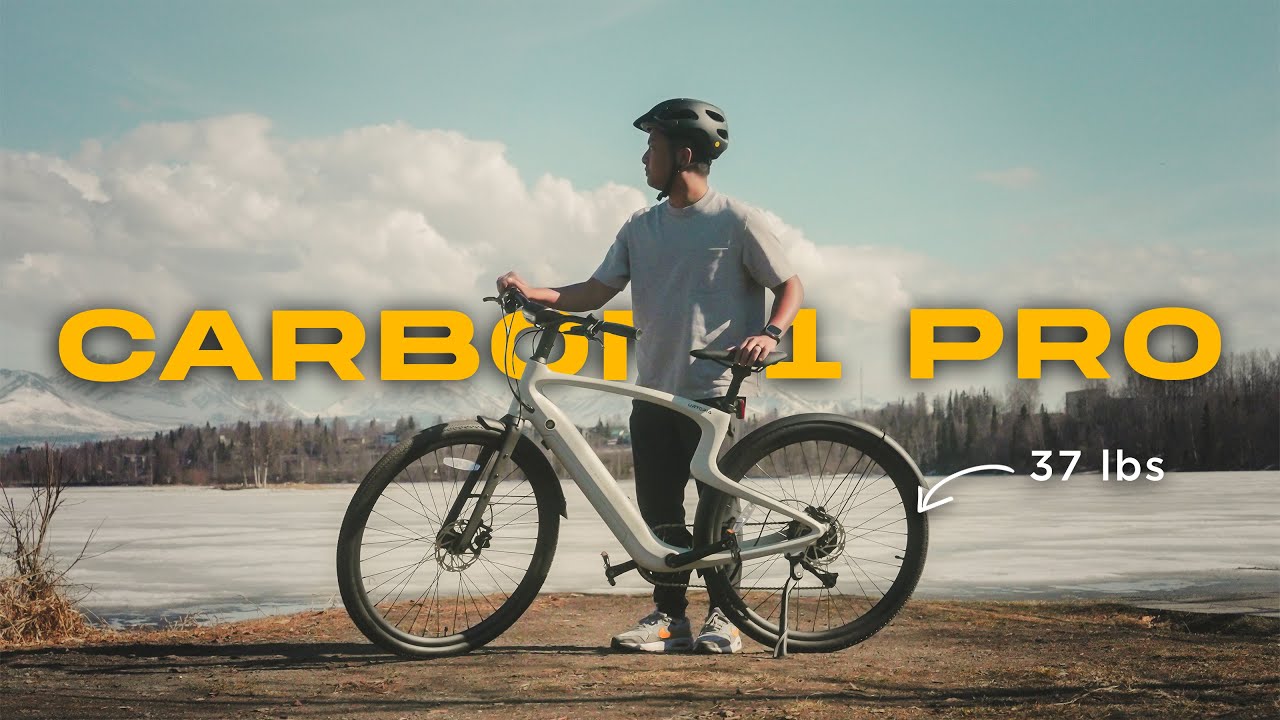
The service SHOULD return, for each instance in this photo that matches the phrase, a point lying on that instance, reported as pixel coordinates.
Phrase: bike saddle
(725, 357)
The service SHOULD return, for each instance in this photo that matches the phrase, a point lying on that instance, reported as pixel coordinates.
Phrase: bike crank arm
(728, 544)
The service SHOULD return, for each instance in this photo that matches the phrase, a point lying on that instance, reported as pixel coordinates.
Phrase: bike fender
(842, 420)
(924, 482)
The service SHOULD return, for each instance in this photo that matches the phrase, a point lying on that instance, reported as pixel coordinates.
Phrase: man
(698, 266)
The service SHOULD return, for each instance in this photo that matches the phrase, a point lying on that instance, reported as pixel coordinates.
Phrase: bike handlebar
(512, 300)
(619, 329)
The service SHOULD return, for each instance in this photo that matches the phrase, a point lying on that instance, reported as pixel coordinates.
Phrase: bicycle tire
(875, 484)
(408, 493)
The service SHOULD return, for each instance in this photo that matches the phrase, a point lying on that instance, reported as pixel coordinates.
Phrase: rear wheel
(847, 476)
(408, 581)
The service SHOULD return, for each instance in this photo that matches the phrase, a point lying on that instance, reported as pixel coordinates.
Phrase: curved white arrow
(922, 499)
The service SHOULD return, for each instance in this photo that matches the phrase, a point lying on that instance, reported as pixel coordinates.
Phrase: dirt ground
(938, 659)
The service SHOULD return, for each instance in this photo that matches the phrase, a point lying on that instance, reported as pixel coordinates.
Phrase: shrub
(35, 596)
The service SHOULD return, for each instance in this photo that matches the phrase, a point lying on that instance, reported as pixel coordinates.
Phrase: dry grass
(36, 603)
(35, 609)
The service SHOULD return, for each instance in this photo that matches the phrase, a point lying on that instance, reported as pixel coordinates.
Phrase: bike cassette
(825, 548)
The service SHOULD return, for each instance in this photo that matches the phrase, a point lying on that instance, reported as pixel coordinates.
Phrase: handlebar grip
(512, 300)
(619, 329)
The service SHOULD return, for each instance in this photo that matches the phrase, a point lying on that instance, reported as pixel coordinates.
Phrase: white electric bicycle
(806, 534)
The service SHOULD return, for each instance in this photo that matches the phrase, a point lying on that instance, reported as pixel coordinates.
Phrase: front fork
(489, 469)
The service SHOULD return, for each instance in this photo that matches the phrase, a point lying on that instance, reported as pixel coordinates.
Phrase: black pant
(662, 444)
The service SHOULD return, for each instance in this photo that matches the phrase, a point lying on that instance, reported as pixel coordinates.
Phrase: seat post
(740, 373)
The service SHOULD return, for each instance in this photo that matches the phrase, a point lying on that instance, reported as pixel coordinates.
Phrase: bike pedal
(613, 571)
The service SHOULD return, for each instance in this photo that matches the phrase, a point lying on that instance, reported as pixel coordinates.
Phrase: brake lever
(582, 332)
(509, 300)
(594, 332)
(587, 330)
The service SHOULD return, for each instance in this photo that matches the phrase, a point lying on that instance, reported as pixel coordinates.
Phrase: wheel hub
(452, 555)
(826, 548)
(831, 544)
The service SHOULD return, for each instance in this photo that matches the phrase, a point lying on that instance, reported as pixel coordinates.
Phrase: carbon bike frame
(608, 499)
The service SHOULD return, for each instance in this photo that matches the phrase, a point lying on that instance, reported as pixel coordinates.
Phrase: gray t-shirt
(698, 276)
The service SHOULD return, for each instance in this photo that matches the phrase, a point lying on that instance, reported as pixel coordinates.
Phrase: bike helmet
(701, 123)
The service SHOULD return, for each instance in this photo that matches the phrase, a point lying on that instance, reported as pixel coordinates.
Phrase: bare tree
(34, 593)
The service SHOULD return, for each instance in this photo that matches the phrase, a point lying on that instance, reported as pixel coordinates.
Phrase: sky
(166, 156)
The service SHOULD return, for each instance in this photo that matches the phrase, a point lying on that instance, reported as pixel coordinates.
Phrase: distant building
(1084, 402)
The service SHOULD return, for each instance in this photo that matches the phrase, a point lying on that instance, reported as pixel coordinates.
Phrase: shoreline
(1260, 614)
(1091, 473)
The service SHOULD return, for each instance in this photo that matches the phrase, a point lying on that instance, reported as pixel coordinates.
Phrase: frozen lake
(217, 554)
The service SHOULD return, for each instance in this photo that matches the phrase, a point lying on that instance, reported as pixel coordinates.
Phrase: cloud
(219, 211)
(863, 283)
(865, 292)
(1016, 178)
(1233, 287)
(222, 213)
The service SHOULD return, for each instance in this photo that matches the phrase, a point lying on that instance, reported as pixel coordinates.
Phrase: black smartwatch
(773, 331)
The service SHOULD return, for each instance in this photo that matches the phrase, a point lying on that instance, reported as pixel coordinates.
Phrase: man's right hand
(511, 279)
(579, 297)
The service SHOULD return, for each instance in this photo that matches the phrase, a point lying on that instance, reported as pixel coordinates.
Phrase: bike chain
(651, 577)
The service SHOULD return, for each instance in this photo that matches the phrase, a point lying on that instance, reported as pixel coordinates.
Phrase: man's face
(657, 160)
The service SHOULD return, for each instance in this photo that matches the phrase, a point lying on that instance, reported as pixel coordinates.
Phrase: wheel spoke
(866, 546)
(404, 532)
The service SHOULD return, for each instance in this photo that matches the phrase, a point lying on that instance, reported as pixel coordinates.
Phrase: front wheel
(863, 487)
(407, 580)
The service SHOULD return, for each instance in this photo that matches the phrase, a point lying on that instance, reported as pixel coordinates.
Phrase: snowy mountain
(786, 402)
(32, 408)
(585, 407)
(424, 401)
(63, 408)
(427, 401)
(197, 400)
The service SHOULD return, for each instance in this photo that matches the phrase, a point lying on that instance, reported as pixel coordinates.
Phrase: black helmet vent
(702, 123)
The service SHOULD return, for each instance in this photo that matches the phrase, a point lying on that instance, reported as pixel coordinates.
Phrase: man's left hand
(754, 349)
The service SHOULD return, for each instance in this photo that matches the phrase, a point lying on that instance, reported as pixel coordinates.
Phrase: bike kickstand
(795, 573)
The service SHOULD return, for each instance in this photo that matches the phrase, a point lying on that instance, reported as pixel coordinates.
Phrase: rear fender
(730, 457)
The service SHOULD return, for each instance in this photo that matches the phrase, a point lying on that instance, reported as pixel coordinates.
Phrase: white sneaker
(657, 632)
(718, 635)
